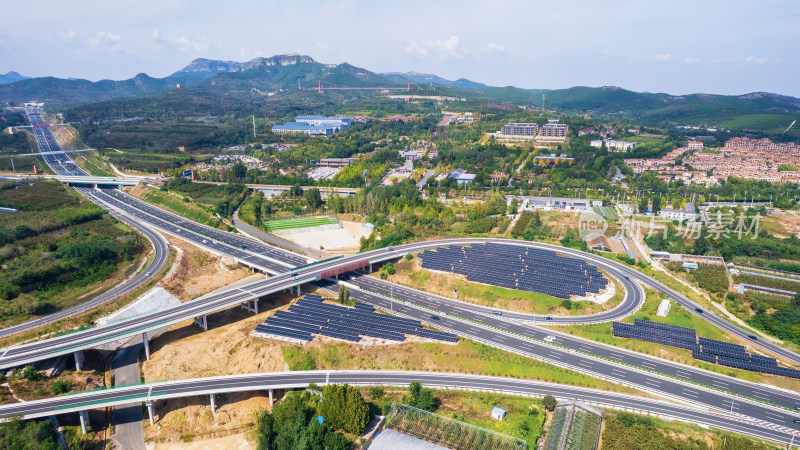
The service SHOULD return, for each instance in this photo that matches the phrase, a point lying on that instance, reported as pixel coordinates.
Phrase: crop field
(300, 222)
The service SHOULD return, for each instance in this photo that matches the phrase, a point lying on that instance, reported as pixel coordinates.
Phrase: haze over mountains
(294, 73)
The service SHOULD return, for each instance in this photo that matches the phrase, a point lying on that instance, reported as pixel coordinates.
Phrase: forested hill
(262, 74)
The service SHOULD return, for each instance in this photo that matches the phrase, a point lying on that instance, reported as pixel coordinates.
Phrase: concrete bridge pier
(299, 291)
(84, 416)
(202, 321)
(79, 359)
(146, 346)
(151, 411)
(254, 308)
(213, 405)
(270, 397)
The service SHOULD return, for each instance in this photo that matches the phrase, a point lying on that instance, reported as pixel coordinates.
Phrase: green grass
(184, 209)
(299, 222)
(464, 357)
(625, 431)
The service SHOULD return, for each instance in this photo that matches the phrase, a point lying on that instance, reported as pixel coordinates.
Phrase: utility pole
(254, 125)
(12, 165)
(542, 104)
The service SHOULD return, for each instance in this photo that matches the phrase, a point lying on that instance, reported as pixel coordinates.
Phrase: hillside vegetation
(55, 248)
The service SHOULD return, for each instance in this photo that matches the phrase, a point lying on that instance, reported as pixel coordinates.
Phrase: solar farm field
(299, 222)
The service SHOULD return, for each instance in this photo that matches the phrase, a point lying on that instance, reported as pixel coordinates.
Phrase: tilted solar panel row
(664, 326)
(722, 344)
(284, 332)
(697, 354)
(725, 352)
(764, 360)
(546, 272)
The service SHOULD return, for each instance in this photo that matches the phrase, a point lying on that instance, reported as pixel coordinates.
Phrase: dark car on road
(435, 317)
(700, 310)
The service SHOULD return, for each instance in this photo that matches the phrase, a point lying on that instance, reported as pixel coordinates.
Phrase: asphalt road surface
(293, 380)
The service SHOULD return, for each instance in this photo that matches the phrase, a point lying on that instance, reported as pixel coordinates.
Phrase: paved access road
(293, 380)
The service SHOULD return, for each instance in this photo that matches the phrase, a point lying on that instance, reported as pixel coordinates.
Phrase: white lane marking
(689, 394)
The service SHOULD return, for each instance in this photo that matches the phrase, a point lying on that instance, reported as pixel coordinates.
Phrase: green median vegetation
(464, 357)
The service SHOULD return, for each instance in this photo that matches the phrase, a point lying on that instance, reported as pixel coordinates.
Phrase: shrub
(60, 387)
(30, 373)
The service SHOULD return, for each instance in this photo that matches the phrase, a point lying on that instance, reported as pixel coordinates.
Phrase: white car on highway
(550, 338)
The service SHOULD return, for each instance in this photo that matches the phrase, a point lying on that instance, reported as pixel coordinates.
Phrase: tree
(643, 206)
(549, 402)
(344, 408)
(239, 171)
(700, 246)
(796, 301)
(344, 294)
(420, 397)
(313, 198)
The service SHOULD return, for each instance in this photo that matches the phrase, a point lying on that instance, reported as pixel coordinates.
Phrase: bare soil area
(232, 442)
(184, 420)
(199, 272)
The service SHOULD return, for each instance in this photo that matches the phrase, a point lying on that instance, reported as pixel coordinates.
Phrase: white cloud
(663, 57)
(493, 47)
(741, 59)
(106, 41)
(183, 44)
(69, 36)
(447, 48)
(691, 60)
(755, 60)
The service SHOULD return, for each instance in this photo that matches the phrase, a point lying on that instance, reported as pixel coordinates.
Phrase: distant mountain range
(427, 79)
(215, 80)
(11, 77)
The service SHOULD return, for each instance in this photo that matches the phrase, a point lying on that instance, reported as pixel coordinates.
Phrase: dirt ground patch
(232, 442)
(199, 272)
(139, 191)
(183, 420)
(185, 351)
(781, 226)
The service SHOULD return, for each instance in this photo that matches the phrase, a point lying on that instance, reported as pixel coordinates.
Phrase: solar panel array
(311, 316)
(709, 350)
(659, 333)
(517, 267)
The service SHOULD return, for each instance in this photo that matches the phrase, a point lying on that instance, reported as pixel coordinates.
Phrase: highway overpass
(151, 393)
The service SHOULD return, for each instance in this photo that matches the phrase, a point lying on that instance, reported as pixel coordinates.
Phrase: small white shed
(498, 413)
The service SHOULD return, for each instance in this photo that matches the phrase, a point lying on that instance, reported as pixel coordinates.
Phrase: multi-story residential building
(695, 145)
(553, 131)
(335, 162)
(612, 145)
(520, 129)
(761, 144)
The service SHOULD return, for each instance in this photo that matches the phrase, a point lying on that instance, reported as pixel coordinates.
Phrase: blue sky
(678, 47)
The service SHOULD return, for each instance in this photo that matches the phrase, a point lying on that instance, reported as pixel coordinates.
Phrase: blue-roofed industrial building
(304, 128)
(314, 125)
(339, 123)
